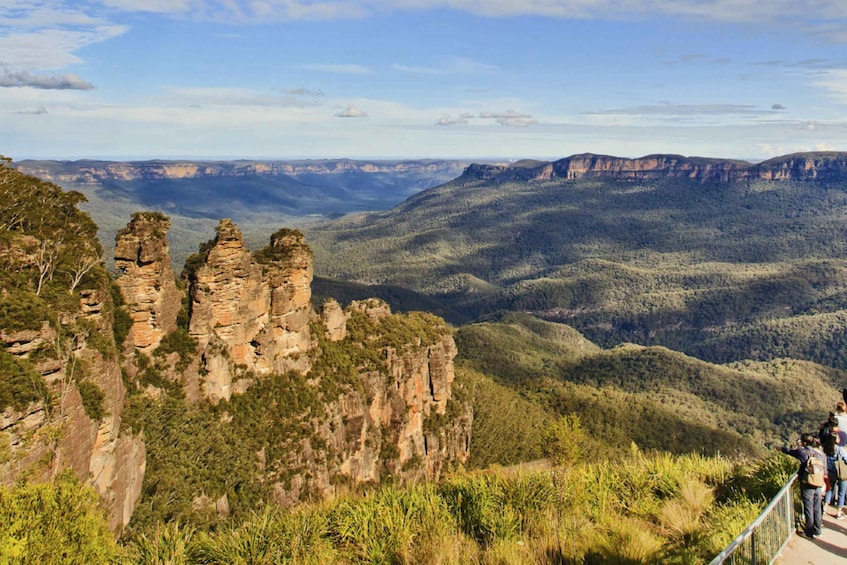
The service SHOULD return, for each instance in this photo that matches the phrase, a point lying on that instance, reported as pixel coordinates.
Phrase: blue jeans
(841, 486)
(812, 500)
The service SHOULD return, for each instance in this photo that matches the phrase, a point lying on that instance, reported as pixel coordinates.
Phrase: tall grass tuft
(270, 537)
(393, 525)
(477, 503)
(629, 541)
(683, 516)
(168, 544)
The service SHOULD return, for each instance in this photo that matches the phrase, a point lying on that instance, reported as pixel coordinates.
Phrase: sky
(387, 79)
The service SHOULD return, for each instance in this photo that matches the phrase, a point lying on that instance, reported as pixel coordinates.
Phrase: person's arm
(794, 452)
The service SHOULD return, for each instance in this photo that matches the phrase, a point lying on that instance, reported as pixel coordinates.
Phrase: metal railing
(762, 540)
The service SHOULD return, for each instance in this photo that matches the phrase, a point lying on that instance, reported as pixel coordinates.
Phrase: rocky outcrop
(800, 166)
(42, 443)
(251, 318)
(401, 422)
(147, 280)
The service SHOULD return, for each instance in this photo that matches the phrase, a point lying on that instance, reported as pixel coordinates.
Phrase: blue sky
(503, 79)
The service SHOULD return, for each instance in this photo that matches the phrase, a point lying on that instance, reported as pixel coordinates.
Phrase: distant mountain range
(261, 196)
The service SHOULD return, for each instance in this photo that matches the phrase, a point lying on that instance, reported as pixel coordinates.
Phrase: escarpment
(61, 391)
(798, 166)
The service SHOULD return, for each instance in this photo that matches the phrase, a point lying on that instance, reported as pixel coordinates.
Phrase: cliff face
(801, 166)
(402, 422)
(62, 400)
(48, 436)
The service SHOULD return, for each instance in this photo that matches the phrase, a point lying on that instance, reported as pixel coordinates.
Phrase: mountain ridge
(794, 166)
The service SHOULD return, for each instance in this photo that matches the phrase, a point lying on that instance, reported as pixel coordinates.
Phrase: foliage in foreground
(636, 509)
(58, 522)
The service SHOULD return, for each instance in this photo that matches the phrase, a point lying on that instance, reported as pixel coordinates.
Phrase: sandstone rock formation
(397, 424)
(800, 166)
(42, 442)
(147, 284)
(251, 318)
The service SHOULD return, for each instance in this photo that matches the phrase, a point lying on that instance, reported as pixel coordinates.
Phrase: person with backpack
(840, 460)
(812, 478)
(830, 440)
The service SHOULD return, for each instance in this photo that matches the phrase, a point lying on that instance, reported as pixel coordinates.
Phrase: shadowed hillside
(749, 266)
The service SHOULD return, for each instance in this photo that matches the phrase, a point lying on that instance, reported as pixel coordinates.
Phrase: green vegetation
(660, 399)
(291, 241)
(634, 509)
(54, 523)
(20, 383)
(235, 450)
(724, 272)
(92, 400)
(49, 260)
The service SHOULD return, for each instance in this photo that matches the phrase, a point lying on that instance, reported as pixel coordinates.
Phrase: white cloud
(508, 114)
(50, 48)
(199, 96)
(66, 81)
(834, 82)
(351, 112)
(157, 6)
(40, 111)
(266, 11)
(670, 109)
(315, 93)
(509, 118)
(448, 120)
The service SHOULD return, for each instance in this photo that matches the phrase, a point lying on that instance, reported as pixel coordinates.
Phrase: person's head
(841, 407)
(807, 440)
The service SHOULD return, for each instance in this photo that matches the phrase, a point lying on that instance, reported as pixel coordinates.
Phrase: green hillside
(722, 271)
(658, 398)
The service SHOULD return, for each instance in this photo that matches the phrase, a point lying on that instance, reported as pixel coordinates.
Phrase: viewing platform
(829, 549)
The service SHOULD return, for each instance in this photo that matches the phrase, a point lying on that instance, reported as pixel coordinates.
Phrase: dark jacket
(803, 453)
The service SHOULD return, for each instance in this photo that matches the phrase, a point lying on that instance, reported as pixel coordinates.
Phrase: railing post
(753, 536)
(749, 538)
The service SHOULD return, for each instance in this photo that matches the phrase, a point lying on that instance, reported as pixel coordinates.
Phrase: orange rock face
(147, 281)
(251, 318)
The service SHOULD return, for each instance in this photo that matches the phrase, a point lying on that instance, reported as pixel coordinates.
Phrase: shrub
(20, 383)
(92, 400)
(59, 522)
